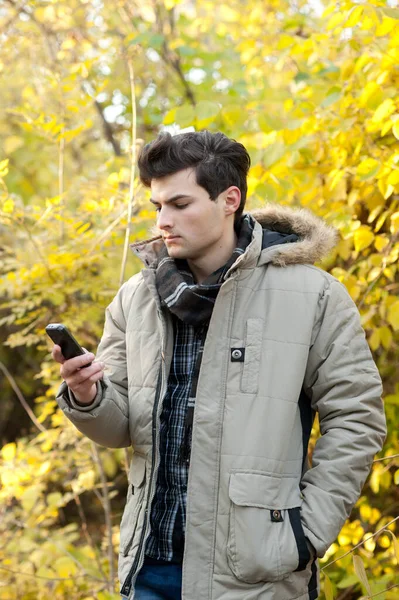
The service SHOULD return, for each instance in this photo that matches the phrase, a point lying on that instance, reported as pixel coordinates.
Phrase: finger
(86, 377)
(57, 354)
(72, 365)
(79, 376)
(84, 385)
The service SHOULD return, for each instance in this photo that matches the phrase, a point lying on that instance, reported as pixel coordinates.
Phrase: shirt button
(236, 354)
(277, 515)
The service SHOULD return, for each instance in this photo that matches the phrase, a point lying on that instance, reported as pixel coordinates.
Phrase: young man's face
(192, 225)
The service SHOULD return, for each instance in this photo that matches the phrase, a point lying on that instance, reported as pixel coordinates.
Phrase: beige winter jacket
(284, 341)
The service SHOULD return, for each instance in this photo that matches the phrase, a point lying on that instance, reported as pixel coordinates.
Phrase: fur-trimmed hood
(316, 238)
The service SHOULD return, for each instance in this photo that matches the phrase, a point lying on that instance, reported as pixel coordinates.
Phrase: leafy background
(311, 88)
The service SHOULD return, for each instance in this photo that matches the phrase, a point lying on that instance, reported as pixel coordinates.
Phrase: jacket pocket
(134, 502)
(266, 541)
(253, 349)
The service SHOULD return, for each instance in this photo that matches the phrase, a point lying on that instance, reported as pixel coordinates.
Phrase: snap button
(277, 515)
(236, 354)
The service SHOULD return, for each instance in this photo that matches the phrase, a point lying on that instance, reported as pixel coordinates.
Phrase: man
(213, 362)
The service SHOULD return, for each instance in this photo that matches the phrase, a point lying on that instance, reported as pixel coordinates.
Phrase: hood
(316, 238)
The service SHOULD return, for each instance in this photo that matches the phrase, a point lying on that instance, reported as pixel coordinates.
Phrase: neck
(215, 258)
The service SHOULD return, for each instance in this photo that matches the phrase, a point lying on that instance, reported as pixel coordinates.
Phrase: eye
(181, 206)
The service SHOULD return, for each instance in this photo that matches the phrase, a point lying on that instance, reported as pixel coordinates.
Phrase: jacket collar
(316, 240)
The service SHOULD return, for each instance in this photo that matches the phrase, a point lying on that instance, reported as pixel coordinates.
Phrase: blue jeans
(159, 582)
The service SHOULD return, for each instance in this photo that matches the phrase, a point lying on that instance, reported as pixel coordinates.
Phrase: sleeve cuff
(72, 402)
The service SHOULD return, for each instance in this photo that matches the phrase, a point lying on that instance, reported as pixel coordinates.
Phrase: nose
(164, 218)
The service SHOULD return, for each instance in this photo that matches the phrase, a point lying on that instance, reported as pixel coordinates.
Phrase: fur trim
(317, 239)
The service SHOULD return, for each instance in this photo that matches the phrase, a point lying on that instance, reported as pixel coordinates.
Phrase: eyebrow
(173, 198)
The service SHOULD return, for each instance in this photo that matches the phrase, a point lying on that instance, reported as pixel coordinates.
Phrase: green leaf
(347, 581)
(393, 315)
(185, 115)
(206, 112)
(266, 191)
(273, 154)
(361, 573)
(333, 95)
(395, 544)
(392, 13)
(301, 76)
(328, 588)
(233, 116)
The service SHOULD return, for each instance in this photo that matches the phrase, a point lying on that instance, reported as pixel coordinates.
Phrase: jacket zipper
(139, 558)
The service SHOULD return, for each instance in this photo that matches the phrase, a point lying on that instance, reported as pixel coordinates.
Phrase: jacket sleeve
(344, 386)
(106, 419)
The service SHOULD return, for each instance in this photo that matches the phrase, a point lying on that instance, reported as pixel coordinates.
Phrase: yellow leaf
(3, 167)
(44, 467)
(170, 117)
(361, 572)
(362, 238)
(389, 273)
(369, 542)
(354, 16)
(54, 499)
(113, 179)
(30, 497)
(393, 178)
(385, 188)
(328, 588)
(65, 566)
(374, 273)
(386, 337)
(395, 129)
(336, 20)
(87, 480)
(375, 340)
(9, 451)
(394, 222)
(385, 27)
(395, 545)
(393, 315)
(12, 143)
(381, 220)
(384, 111)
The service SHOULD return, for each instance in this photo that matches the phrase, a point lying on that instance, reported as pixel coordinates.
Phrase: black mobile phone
(64, 338)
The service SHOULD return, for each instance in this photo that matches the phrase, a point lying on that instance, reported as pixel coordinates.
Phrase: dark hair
(219, 161)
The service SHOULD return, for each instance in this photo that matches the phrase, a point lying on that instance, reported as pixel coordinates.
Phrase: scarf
(190, 301)
(193, 303)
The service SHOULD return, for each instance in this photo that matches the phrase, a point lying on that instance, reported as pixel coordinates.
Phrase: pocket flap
(264, 490)
(137, 470)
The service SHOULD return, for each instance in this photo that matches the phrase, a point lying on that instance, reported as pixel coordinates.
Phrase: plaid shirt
(168, 510)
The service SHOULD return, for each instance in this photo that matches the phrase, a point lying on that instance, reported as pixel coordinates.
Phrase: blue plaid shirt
(168, 510)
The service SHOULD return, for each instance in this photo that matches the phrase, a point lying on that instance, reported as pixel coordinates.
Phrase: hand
(81, 381)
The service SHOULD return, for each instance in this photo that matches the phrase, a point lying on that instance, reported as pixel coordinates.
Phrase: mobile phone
(64, 338)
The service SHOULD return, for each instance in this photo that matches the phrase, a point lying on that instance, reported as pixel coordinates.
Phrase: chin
(176, 253)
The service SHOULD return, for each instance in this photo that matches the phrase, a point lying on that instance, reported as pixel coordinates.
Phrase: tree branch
(107, 128)
(360, 544)
(107, 514)
(20, 397)
(131, 200)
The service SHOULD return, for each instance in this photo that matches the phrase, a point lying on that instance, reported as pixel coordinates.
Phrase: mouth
(171, 238)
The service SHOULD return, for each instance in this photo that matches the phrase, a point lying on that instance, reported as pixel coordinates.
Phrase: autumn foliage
(311, 89)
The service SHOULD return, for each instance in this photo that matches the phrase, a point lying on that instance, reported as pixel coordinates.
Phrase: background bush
(312, 90)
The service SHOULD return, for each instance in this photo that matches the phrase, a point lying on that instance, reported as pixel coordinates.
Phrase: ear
(232, 199)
